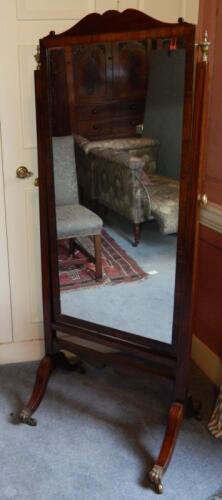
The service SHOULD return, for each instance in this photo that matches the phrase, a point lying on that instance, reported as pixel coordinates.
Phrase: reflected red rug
(118, 267)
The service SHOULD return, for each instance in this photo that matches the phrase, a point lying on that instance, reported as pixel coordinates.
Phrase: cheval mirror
(120, 141)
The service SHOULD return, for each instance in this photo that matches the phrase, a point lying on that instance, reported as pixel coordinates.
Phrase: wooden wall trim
(207, 360)
(211, 217)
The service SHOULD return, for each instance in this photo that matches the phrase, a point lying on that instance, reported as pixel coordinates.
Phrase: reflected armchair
(110, 172)
(121, 175)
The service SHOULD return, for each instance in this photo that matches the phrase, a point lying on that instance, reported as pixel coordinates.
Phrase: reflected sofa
(121, 174)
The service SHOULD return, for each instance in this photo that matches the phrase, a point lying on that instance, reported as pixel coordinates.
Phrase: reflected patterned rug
(118, 267)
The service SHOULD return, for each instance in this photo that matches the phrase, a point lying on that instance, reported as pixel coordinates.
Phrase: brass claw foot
(25, 417)
(45, 369)
(156, 478)
(174, 422)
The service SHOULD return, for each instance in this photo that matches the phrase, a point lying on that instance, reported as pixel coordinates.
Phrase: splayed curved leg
(175, 418)
(46, 367)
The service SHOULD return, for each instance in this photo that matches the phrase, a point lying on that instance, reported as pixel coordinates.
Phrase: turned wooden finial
(204, 46)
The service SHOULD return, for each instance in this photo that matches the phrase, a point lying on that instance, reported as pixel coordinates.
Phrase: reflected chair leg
(98, 256)
(136, 234)
(72, 246)
(175, 418)
(81, 195)
(46, 367)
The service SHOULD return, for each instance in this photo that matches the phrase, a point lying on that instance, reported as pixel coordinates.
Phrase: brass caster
(193, 409)
(69, 363)
(159, 488)
(81, 369)
(25, 417)
(156, 478)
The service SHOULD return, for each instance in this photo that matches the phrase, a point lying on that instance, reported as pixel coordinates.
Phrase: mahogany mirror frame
(130, 350)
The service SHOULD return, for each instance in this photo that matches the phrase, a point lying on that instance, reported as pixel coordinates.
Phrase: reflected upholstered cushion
(72, 219)
(76, 220)
(164, 202)
(119, 144)
(66, 189)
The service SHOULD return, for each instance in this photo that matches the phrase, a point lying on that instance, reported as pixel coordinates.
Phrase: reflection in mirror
(108, 179)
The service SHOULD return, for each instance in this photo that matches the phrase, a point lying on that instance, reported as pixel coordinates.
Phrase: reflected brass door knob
(22, 172)
(203, 200)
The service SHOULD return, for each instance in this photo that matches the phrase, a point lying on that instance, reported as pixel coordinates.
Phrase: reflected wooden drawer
(96, 110)
(95, 129)
(118, 127)
(110, 109)
(125, 126)
(128, 108)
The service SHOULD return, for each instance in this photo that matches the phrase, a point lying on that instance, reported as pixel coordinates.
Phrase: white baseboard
(207, 360)
(20, 352)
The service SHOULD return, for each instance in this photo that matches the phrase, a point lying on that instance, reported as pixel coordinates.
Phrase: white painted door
(5, 299)
(165, 10)
(171, 10)
(22, 23)
(21, 199)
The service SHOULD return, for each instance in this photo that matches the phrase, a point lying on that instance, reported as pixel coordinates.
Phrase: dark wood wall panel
(213, 178)
(208, 318)
(210, 18)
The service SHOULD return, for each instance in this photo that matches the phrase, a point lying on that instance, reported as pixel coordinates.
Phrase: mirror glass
(116, 115)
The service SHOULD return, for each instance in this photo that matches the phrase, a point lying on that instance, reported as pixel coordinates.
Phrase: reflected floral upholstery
(125, 181)
(86, 150)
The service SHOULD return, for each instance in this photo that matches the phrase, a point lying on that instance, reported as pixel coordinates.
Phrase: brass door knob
(36, 182)
(203, 200)
(22, 172)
